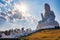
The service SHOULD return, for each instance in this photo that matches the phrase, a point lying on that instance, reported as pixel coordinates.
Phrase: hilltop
(44, 34)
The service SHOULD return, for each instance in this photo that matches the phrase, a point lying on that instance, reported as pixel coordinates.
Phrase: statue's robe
(48, 21)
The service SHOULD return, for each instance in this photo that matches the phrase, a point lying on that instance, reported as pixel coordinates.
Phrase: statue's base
(47, 25)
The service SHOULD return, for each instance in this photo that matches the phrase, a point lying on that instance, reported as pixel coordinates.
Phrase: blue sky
(32, 14)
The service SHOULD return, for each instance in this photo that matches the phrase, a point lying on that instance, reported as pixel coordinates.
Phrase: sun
(21, 7)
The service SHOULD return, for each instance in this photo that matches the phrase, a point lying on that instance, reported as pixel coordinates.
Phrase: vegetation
(44, 34)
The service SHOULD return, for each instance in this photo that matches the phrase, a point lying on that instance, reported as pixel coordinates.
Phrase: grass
(44, 34)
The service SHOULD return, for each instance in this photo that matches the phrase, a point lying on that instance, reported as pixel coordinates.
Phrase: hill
(44, 34)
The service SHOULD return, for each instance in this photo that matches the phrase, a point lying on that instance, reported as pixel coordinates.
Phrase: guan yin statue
(48, 19)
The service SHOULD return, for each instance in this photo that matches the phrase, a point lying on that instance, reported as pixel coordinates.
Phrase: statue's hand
(42, 16)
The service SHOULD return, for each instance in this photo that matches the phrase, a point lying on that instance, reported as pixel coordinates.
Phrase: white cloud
(16, 19)
(7, 1)
(1, 5)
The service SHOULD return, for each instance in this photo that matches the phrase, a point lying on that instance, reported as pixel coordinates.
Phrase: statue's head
(47, 7)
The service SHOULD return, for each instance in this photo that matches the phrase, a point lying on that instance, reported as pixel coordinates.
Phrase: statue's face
(47, 8)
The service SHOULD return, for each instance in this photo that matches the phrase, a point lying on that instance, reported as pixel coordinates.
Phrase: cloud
(7, 1)
(23, 21)
(17, 15)
(3, 14)
(2, 20)
(1, 1)
(11, 18)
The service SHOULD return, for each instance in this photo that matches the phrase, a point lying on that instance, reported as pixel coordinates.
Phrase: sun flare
(21, 7)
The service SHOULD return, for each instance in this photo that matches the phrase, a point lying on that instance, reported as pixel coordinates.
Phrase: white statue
(48, 19)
